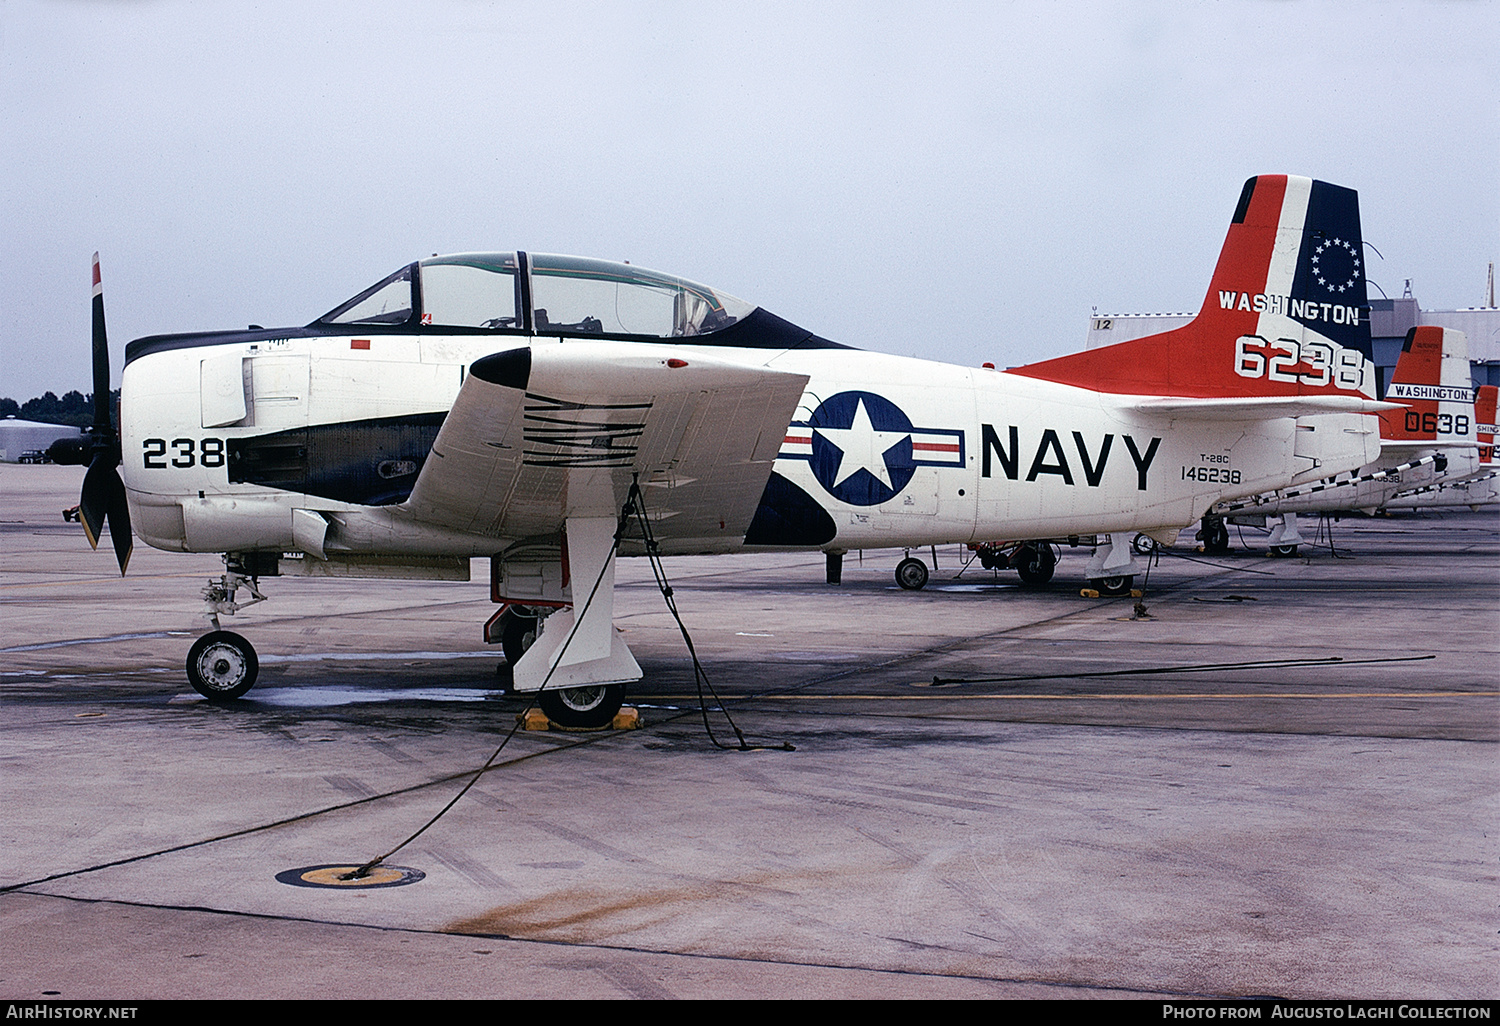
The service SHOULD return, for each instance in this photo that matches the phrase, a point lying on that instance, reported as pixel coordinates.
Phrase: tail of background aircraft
(1285, 315)
(1484, 431)
(1432, 379)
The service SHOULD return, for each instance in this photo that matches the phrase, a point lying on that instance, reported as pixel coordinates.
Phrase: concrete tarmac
(1045, 827)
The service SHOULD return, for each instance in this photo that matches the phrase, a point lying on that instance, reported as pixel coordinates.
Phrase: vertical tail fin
(1432, 379)
(1286, 312)
(1484, 429)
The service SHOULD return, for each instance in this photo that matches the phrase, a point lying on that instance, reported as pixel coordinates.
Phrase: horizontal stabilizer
(1260, 408)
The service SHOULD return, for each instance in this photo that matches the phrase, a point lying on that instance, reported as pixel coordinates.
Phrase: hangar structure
(18, 436)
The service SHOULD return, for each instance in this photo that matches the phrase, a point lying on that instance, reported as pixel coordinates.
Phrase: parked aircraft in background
(547, 411)
(1482, 488)
(1430, 443)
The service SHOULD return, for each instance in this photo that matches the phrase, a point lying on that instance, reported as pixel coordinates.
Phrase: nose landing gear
(221, 665)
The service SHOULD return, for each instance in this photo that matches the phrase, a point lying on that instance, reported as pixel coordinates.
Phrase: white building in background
(18, 436)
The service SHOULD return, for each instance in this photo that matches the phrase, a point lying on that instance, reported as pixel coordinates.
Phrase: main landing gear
(558, 643)
(517, 627)
(1215, 536)
(1113, 567)
(1285, 537)
(1033, 562)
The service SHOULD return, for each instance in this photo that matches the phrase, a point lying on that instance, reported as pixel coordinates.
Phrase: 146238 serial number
(1211, 475)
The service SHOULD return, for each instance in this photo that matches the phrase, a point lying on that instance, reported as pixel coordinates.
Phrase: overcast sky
(959, 181)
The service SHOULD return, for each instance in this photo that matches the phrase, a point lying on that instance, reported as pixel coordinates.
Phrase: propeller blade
(119, 522)
(93, 503)
(101, 356)
(103, 498)
(103, 501)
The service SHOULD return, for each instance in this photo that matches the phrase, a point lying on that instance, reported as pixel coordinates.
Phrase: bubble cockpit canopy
(539, 293)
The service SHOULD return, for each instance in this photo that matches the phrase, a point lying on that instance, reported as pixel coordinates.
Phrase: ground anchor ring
(333, 876)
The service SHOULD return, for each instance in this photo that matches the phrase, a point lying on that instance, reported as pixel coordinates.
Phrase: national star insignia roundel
(861, 448)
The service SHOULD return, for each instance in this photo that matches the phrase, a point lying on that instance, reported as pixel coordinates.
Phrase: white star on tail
(863, 447)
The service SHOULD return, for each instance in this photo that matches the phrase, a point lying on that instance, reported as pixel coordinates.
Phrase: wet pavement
(1042, 825)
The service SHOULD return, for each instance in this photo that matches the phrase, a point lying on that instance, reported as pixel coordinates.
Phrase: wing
(543, 433)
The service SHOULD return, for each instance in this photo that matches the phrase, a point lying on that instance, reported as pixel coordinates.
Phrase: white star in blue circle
(862, 450)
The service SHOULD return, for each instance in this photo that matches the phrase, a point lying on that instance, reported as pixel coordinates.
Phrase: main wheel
(1118, 585)
(1215, 537)
(593, 705)
(518, 633)
(911, 574)
(221, 666)
(1283, 551)
(1035, 564)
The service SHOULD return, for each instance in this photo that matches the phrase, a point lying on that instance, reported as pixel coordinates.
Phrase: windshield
(388, 301)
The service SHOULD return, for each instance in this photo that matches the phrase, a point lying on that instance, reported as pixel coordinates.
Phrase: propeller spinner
(103, 498)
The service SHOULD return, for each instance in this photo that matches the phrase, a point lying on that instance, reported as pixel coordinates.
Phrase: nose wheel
(221, 666)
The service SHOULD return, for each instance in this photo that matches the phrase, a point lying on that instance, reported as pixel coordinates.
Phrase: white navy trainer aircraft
(1481, 488)
(516, 405)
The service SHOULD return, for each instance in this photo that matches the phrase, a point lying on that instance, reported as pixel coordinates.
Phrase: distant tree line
(74, 408)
